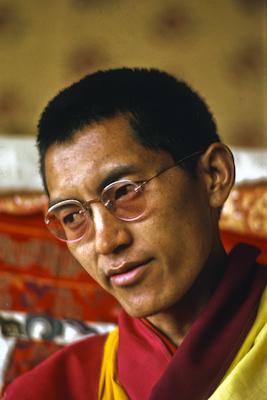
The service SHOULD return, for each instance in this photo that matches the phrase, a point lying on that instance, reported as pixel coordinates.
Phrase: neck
(177, 320)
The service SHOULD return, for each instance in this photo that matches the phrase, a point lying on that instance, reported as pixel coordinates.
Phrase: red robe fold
(69, 374)
(146, 368)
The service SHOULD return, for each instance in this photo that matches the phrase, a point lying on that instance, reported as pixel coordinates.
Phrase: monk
(136, 176)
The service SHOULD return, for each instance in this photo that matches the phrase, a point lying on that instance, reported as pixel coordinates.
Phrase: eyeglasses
(69, 220)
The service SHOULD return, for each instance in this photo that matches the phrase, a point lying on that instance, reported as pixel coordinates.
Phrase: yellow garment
(246, 378)
(109, 387)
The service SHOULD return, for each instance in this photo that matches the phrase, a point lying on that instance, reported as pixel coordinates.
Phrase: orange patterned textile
(246, 209)
(39, 275)
(244, 217)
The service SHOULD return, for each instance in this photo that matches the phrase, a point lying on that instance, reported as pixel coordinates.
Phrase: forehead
(95, 152)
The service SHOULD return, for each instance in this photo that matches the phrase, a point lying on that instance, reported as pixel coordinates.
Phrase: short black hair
(163, 112)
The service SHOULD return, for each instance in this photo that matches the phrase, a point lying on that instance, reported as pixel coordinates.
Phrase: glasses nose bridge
(87, 204)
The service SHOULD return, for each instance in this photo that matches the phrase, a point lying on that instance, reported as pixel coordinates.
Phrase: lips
(129, 273)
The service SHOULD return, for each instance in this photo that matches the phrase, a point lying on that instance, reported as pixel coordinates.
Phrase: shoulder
(72, 372)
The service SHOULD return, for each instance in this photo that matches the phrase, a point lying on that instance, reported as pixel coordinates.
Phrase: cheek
(83, 253)
(179, 222)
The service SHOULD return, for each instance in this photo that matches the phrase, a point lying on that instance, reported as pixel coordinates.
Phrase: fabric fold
(206, 353)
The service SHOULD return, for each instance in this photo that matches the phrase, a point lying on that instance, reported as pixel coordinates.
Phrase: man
(136, 177)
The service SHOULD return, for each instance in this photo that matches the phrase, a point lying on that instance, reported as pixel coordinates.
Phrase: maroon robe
(148, 365)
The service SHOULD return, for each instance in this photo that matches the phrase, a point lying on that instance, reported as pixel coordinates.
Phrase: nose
(111, 234)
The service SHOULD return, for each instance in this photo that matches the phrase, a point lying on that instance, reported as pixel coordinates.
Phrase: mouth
(128, 274)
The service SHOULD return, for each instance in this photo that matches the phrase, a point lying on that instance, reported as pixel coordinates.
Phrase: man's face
(148, 264)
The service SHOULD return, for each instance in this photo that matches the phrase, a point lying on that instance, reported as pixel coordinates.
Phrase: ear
(218, 170)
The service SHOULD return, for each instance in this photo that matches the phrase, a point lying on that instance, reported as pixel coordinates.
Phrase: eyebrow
(116, 174)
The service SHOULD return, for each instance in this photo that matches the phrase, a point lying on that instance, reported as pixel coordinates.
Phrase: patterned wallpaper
(216, 45)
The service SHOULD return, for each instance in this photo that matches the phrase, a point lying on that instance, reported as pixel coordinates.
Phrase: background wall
(218, 46)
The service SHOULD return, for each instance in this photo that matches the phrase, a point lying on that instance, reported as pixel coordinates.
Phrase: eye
(120, 194)
(71, 217)
(124, 191)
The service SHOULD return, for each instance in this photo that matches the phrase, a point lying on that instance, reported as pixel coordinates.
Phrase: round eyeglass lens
(125, 200)
(68, 222)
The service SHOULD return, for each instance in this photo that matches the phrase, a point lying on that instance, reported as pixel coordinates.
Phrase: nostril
(120, 248)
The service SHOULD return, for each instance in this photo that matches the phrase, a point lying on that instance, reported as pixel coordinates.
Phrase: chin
(141, 310)
(133, 312)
